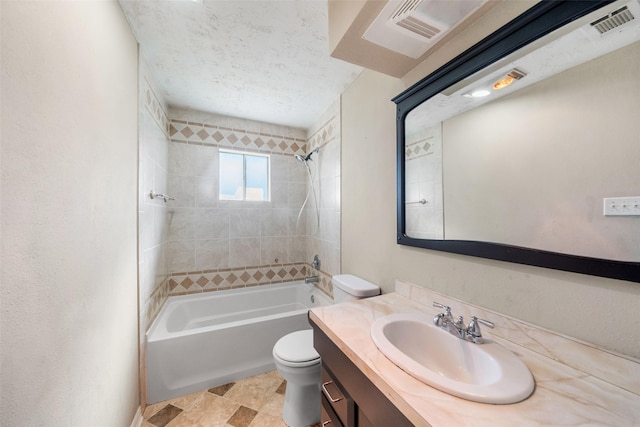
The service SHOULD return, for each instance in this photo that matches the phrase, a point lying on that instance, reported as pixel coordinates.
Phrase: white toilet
(299, 363)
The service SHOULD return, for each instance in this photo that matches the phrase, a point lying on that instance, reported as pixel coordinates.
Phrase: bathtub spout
(311, 279)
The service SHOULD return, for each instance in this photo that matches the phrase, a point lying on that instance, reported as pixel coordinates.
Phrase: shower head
(305, 159)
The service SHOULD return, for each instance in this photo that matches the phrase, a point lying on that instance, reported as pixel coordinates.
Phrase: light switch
(622, 206)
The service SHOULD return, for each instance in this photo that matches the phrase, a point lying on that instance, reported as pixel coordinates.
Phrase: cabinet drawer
(328, 418)
(340, 401)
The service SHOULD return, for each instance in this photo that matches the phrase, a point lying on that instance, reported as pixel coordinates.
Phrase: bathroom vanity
(576, 383)
(351, 400)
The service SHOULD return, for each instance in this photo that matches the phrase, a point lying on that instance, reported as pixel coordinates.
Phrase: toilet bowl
(299, 363)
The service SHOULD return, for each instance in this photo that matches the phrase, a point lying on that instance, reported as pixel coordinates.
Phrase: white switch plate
(622, 206)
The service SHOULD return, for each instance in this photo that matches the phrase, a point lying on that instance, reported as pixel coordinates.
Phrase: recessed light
(513, 75)
(478, 93)
(503, 83)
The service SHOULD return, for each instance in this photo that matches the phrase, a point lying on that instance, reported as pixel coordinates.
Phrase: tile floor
(252, 402)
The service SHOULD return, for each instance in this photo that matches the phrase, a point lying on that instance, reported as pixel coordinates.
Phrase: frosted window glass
(244, 176)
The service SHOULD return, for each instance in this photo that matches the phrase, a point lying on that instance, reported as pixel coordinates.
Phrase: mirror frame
(540, 20)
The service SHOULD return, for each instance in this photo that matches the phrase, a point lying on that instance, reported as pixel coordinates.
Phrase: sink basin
(487, 373)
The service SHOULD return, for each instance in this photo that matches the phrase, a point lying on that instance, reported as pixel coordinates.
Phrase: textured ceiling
(265, 60)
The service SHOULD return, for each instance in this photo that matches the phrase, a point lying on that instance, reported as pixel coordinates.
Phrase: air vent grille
(405, 8)
(419, 27)
(407, 17)
(613, 20)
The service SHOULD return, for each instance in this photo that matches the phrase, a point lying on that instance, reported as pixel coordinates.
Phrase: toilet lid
(296, 347)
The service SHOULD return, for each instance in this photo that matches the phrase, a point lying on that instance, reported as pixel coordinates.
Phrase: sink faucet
(446, 322)
(471, 333)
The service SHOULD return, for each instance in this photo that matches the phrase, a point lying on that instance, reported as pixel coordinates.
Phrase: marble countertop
(576, 384)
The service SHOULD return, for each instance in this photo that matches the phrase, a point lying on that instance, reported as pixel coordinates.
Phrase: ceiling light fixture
(478, 93)
(511, 77)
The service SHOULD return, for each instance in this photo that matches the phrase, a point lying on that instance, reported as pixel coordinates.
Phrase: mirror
(521, 175)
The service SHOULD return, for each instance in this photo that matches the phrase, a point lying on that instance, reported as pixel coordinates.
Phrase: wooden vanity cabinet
(348, 397)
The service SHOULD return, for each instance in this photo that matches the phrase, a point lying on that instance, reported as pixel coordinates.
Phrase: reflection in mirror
(423, 174)
(528, 166)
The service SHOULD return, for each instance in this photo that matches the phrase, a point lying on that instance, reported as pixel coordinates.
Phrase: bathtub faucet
(311, 279)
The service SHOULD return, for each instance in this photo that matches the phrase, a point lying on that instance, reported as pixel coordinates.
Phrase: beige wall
(597, 310)
(567, 160)
(69, 354)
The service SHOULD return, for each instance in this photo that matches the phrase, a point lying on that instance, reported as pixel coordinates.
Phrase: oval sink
(487, 373)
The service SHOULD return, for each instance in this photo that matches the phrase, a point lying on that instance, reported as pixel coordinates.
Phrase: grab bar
(421, 201)
(165, 197)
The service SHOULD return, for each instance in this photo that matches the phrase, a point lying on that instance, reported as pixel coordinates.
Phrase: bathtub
(205, 340)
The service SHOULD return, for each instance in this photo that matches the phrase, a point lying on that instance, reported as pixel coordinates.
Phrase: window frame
(244, 155)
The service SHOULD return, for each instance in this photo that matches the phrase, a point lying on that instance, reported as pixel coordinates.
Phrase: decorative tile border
(231, 278)
(325, 284)
(240, 139)
(418, 149)
(156, 302)
(153, 105)
(325, 134)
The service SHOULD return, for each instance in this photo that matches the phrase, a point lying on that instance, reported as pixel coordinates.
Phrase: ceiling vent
(613, 20)
(411, 27)
(408, 18)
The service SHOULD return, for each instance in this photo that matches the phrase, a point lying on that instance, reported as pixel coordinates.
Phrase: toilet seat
(296, 349)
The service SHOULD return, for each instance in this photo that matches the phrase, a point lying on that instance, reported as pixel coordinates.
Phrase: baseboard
(137, 419)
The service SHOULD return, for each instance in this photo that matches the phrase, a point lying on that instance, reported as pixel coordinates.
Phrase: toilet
(299, 363)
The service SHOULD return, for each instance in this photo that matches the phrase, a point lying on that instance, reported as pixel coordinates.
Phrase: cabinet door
(328, 417)
(372, 405)
(363, 421)
(338, 398)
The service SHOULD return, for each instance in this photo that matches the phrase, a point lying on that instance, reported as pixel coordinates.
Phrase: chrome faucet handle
(442, 319)
(445, 319)
(473, 330)
(447, 311)
(446, 308)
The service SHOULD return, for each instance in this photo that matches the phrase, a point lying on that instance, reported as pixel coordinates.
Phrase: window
(244, 176)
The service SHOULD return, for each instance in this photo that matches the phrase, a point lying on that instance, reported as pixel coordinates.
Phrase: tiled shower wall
(423, 154)
(218, 244)
(152, 214)
(153, 146)
(197, 243)
(325, 242)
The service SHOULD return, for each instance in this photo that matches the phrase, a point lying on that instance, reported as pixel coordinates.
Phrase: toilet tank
(347, 287)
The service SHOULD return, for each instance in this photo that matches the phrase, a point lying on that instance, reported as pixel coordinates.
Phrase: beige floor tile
(151, 410)
(267, 420)
(206, 409)
(273, 405)
(254, 392)
(186, 402)
(210, 411)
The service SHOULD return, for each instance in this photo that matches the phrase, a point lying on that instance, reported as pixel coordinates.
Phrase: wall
(153, 273)
(215, 244)
(325, 136)
(550, 203)
(69, 178)
(596, 310)
(424, 208)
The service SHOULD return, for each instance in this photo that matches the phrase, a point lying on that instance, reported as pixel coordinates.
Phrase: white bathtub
(205, 340)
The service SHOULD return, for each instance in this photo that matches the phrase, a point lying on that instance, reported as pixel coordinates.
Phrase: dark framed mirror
(524, 175)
